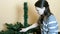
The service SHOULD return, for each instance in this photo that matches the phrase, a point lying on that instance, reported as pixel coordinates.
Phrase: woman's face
(40, 11)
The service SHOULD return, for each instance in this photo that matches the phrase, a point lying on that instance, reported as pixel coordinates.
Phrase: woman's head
(42, 10)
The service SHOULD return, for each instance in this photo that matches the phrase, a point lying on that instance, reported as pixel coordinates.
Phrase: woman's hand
(24, 30)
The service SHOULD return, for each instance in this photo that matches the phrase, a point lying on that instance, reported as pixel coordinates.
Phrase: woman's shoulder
(51, 18)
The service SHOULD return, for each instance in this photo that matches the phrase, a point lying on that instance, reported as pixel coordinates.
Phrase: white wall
(8, 12)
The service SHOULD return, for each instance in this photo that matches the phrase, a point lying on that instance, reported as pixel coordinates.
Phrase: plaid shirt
(50, 26)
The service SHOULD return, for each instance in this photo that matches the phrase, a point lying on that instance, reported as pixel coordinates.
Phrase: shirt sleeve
(52, 25)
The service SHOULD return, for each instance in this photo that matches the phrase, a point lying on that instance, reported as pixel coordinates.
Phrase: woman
(47, 19)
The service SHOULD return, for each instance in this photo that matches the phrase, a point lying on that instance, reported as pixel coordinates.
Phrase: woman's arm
(52, 26)
(30, 27)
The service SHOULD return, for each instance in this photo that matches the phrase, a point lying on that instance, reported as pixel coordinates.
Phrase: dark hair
(47, 12)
